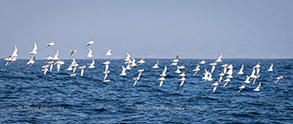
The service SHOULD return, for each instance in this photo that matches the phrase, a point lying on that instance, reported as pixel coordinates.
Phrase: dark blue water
(26, 96)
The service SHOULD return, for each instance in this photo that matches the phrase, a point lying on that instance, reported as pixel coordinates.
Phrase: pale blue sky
(149, 28)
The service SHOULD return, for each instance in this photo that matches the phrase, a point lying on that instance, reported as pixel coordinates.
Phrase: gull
(127, 59)
(156, 65)
(226, 81)
(12, 57)
(45, 69)
(176, 60)
(182, 74)
(202, 62)
(257, 67)
(241, 70)
(123, 71)
(164, 72)
(271, 67)
(225, 67)
(90, 43)
(278, 78)
(71, 65)
(133, 63)
(90, 53)
(230, 71)
(182, 66)
(174, 63)
(82, 70)
(31, 61)
(257, 88)
(128, 67)
(75, 65)
(138, 77)
(72, 52)
(50, 44)
(221, 76)
(182, 81)
(196, 69)
(229, 76)
(51, 65)
(219, 58)
(107, 62)
(241, 88)
(55, 58)
(247, 80)
(108, 53)
(210, 77)
(92, 65)
(206, 74)
(178, 70)
(72, 75)
(141, 61)
(213, 66)
(253, 76)
(106, 74)
(215, 86)
(59, 63)
(161, 79)
(34, 50)
(48, 58)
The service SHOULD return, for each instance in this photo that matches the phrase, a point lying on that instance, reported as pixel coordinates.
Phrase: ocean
(28, 96)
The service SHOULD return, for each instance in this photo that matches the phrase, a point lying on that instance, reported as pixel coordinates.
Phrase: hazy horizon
(192, 29)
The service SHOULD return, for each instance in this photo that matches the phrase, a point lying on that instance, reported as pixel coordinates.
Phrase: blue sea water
(27, 96)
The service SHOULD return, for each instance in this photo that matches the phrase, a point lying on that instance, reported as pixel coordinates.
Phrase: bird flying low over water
(31, 61)
(241, 88)
(257, 88)
(123, 73)
(271, 67)
(156, 65)
(219, 58)
(92, 65)
(278, 78)
(12, 57)
(202, 62)
(241, 70)
(55, 58)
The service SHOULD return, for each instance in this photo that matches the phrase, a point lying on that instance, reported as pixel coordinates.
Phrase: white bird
(82, 70)
(226, 82)
(92, 65)
(141, 61)
(182, 66)
(59, 63)
(51, 65)
(50, 44)
(182, 74)
(72, 52)
(241, 70)
(173, 63)
(225, 67)
(108, 53)
(45, 69)
(206, 75)
(196, 69)
(210, 77)
(164, 72)
(14, 54)
(156, 65)
(133, 63)
(178, 70)
(215, 86)
(90, 53)
(176, 60)
(107, 62)
(271, 67)
(128, 67)
(219, 58)
(34, 50)
(72, 75)
(127, 59)
(278, 78)
(31, 61)
(123, 71)
(221, 76)
(182, 81)
(247, 80)
(202, 62)
(90, 43)
(55, 58)
(48, 58)
(213, 66)
(257, 88)
(241, 88)
(12, 57)
(161, 79)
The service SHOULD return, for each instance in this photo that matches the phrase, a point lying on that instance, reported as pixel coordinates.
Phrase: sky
(149, 28)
